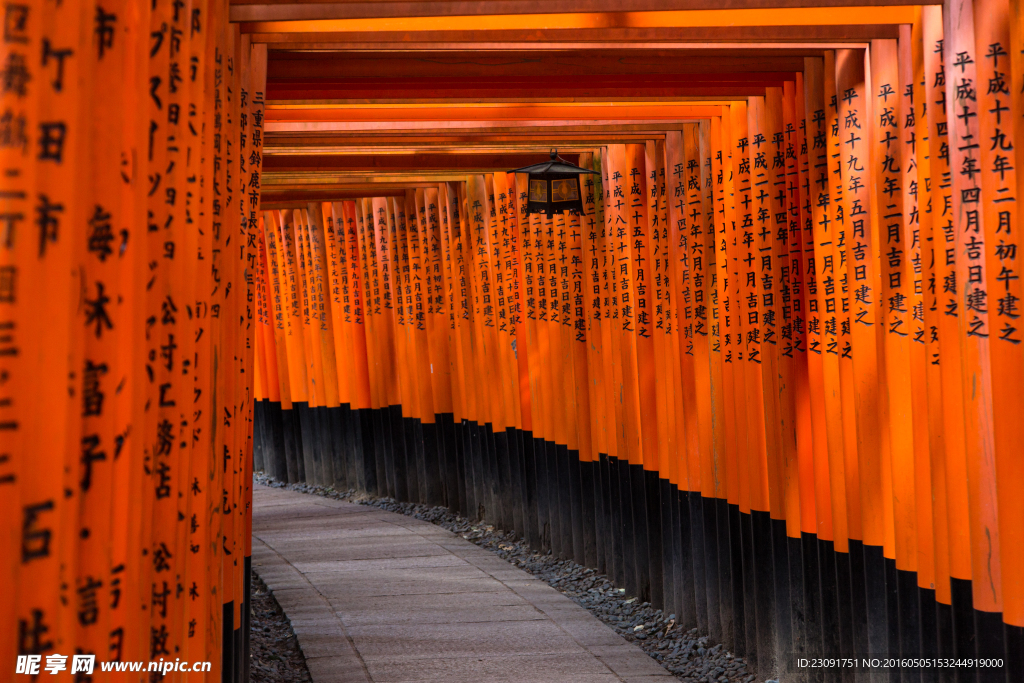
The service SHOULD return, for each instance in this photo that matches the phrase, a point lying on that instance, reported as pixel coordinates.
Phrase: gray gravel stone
(274, 655)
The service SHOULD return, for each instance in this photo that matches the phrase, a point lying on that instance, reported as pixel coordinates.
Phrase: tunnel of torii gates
(770, 379)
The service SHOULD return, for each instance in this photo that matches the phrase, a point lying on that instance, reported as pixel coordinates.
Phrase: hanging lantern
(553, 186)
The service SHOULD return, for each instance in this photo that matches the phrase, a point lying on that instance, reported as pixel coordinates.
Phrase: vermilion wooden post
(723, 317)
(268, 352)
(963, 65)
(448, 290)
(851, 185)
(662, 584)
(392, 221)
(614, 222)
(587, 306)
(377, 392)
(932, 240)
(451, 230)
(792, 349)
(168, 453)
(746, 411)
(477, 211)
(98, 353)
(762, 373)
(764, 170)
(954, 467)
(801, 304)
(800, 497)
(131, 529)
(280, 312)
(822, 367)
(467, 344)
(570, 463)
(1000, 188)
(626, 429)
(337, 289)
(21, 271)
(321, 302)
(314, 371)
(715, 504)
(517, 355)
(235, 307)
(420, 349)
(294, 336)
(529, 336)
(312, 217)
(854, 309)
(646, 488)
(374, 474)
(698, 350)
(201, 606)
(1013, 613)
(897, 300)
(725, 226)
(560, 399)
(499, 250)
(439, 365)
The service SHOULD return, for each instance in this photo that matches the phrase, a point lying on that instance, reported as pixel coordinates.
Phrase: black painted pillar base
(589, 513)
(326, 471)
(227, 644)
(543, 483)
(515, 480)
(246, 623)
(655, 545)
(669, 549)
(434, 471)
(616, 563)
(727, 609)
(572, 470)
(712, 575)
(531, 498)
(277, 458)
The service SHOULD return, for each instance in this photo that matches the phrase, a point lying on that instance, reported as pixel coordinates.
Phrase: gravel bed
(689, 655)
(275, 656)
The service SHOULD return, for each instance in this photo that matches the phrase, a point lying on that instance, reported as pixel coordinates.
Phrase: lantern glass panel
(567, 190)
(538, 190)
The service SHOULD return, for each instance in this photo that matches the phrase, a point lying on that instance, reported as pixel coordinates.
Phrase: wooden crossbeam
(389, 162)
(324, 38)
(287, 10)
(546, 21)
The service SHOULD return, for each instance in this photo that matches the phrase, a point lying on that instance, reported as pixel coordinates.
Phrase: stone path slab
(378, 596)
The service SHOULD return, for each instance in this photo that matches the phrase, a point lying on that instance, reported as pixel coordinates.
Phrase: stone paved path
(378, 596)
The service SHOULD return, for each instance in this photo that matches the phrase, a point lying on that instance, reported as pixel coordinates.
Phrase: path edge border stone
(311, 617)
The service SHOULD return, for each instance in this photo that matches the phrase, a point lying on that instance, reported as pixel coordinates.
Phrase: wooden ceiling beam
(533, 90)
(518, 66)
(585, 21)
(391, 162)
(600, 134)
(481, 126)
(280, 182)
(289, 10)
(550, 81)
(546, 113)
(296, 43)
(536, 143)
(524, 65)
(296, 199)
(504, 39)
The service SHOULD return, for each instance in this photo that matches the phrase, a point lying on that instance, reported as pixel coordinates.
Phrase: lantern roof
(555, 165)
